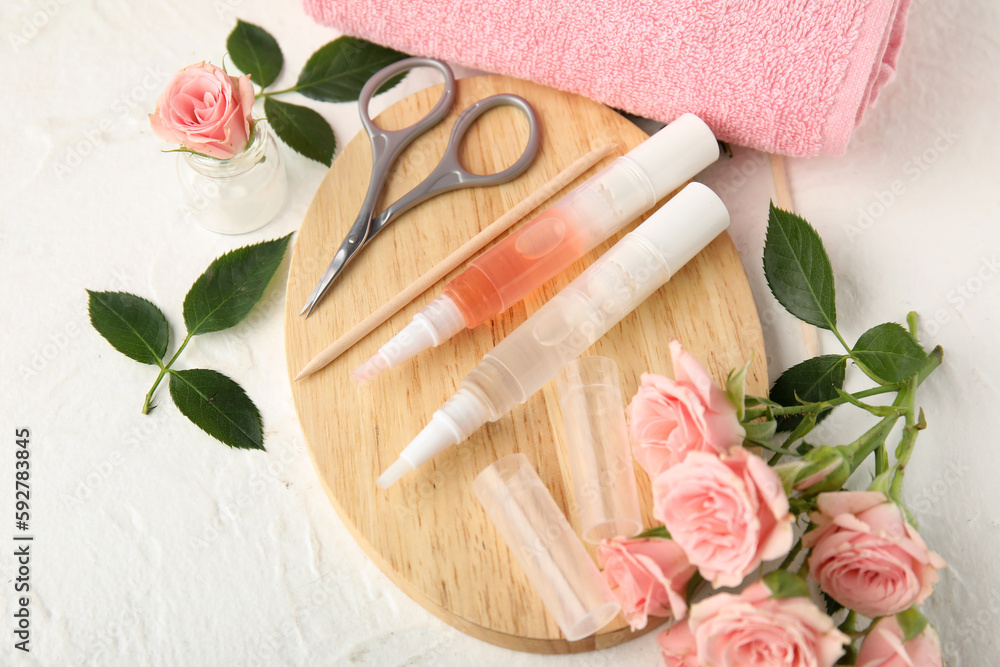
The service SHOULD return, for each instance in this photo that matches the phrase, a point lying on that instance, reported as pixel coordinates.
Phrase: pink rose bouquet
(731, 512)
(669, 418)
(648, 576)
(206, 111)
(866, 556)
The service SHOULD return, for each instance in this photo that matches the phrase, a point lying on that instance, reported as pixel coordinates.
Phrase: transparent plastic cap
(542, 541)
(597, 442)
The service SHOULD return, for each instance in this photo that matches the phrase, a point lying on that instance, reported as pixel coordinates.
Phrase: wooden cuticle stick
(452, 261)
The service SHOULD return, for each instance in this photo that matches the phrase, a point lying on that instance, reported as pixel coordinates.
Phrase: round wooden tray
(428, 533)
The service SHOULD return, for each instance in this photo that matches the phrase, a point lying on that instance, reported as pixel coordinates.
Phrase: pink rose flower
(754, 630)
(648, 576)
(669, 418)
(206, 111)
(729, 513)
(884, 647)
(677, 647)
(866, 556)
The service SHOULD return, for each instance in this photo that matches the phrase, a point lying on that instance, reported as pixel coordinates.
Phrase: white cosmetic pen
(570, 322)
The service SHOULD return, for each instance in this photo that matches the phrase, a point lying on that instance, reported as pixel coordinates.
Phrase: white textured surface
(157, 546)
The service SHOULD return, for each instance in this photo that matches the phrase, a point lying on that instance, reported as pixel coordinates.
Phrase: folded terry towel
(783, 76)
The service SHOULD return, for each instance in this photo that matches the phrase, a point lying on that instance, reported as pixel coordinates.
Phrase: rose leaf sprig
(728, 514)
(800, 275)
(222, 297)
(335, 73)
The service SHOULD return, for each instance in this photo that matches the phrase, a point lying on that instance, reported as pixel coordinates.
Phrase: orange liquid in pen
(508, 271)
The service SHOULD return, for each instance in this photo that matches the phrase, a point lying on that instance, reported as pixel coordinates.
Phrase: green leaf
(882, 482)
(694, 583)
(133, 325)
(850, 656)
(760, 431)
(255, 52)
(807, 423)
(304, 130)
(799, 506)
(788, 473)
(231, 286)
(890, 352)
(832, 606)
(768, 445)
(756, 401)
(784, 584)
(338, 71)
(798, 269)
(736, 389)
(218, 406)
(911, 622)
(810, 381)
(658, 531)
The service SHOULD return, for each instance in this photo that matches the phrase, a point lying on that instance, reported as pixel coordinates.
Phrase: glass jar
(237, 195)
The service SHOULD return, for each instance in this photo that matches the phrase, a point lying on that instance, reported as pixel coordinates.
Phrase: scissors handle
(386, 146)
(449, 174)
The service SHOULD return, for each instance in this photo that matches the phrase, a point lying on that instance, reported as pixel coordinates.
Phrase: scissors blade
(332, 271)
(349, 247)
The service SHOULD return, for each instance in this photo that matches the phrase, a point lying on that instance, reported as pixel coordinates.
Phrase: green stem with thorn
(164, 369)
(820, 406)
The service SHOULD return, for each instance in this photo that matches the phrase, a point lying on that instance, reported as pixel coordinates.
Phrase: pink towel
(783, 76)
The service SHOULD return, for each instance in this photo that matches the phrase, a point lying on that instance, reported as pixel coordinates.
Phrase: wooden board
(428, 533)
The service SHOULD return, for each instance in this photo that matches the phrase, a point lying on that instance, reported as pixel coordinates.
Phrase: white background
(157, 545)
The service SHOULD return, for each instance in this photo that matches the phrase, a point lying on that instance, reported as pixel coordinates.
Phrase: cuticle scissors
(448, 175)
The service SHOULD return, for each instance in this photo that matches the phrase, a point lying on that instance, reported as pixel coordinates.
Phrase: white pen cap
(675, 153)
(685, 224)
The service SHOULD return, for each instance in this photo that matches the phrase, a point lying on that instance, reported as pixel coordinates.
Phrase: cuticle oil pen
(570, 322)
(554, 239)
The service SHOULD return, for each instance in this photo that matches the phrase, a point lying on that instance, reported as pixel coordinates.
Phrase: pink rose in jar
(753, 629)
(206, 111)
(884, 647)
(728, 513)
(647, 576)
(669, 418)
(866, 556)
